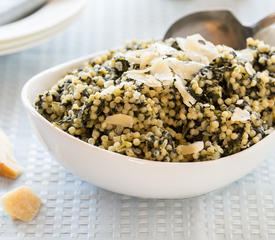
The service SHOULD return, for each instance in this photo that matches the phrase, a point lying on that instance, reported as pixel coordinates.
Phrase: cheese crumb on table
(21, 203)
(8, 165)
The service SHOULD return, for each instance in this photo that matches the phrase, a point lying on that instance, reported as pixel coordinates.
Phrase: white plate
(128, 175)
(28, 42)
(46, 22)
(12, 10)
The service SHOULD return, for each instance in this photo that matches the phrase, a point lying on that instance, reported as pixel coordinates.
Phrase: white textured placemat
(73, 209)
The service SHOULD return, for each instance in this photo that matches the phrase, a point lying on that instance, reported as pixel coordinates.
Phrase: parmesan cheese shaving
(196, 57)
(142, 57)
(146, 59)
(134, 56)
(185, 69)
(239, 102)
(163, 49)
(122, 120)
(245, 55)
(197, 48)
(249, 69)
(21, 203)
(147, 79)
(187, 98)
(161, 71)
(111, 88)
(181, 43)
(9, 167)
(108, 90)
(108, 83)
(240, 115)
(190, 148)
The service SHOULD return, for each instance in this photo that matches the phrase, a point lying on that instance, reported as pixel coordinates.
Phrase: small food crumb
(120, 120)
(240, 115)
(21, 203)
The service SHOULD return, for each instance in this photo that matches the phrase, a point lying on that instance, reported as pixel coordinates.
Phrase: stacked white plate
(50, 19)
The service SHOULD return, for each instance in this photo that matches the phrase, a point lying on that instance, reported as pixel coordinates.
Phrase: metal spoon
(222, 27)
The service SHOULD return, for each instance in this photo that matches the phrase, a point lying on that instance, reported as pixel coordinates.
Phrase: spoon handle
(265, 22)
(265, 29)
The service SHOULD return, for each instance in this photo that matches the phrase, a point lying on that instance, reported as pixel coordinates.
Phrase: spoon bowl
(219, 27)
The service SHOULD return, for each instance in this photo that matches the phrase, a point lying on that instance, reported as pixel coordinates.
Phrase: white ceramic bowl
(128, 175)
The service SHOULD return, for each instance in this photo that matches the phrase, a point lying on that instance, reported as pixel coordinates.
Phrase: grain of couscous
(181, 100)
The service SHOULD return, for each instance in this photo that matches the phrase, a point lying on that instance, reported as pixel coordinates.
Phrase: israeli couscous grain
(180, 100)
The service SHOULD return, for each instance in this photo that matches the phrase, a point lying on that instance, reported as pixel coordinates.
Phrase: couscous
(181, 100)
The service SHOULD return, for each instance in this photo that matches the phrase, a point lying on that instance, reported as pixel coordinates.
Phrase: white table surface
(73, 209)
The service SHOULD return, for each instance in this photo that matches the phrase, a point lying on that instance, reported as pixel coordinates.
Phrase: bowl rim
(81, 60)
